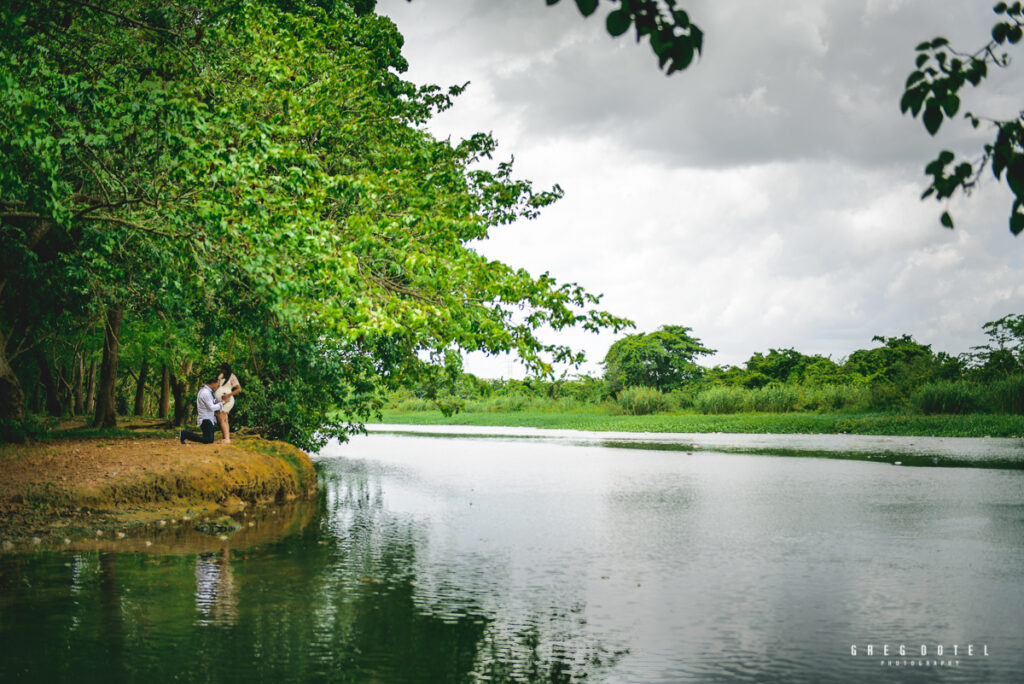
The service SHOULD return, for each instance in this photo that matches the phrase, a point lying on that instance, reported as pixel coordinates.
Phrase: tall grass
(773, 399)
(836, 398)
(961, 397)
(782, 399)
(643, 401)
(720, 400)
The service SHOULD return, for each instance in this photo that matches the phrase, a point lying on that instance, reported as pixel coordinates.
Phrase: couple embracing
(214, 401)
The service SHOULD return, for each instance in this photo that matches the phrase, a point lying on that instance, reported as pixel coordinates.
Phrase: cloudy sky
(766, 197)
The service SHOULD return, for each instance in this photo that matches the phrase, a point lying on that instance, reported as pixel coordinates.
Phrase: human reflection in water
(215, 590)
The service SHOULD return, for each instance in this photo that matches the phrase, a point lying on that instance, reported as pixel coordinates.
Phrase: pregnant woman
(225, 394)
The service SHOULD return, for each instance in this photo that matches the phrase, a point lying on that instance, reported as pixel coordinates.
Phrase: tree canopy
(250, 181)
(665, 359)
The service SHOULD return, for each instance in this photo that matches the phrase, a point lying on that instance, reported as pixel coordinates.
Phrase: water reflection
(216, 598)
(497, 561)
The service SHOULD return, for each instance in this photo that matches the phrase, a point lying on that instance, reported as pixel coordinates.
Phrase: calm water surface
(465, 559)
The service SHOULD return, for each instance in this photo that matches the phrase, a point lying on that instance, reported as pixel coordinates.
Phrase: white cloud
(766, 197)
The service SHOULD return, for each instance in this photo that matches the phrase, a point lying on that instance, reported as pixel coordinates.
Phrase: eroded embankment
(69, 487)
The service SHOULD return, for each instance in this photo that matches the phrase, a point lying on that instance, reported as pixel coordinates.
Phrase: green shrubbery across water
(957, 408)
(652, 382)
(977, 425)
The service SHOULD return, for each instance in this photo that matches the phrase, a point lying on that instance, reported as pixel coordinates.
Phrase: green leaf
(913, 78)
(932, 117)
(911, 101)
(999, 33)
(683, 55)
(998, 164)
(682, 18)
(939, 42)
(586, 7)
(946, 219)
(950, 105)
(697, 39)
(923, 46)
(921, 59)
(1000, 8)
(1014, 34)
(618, 22)
(945, 157)
(1016, 223)
(1015, 176)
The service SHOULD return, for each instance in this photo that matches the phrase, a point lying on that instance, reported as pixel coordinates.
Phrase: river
(527, 556)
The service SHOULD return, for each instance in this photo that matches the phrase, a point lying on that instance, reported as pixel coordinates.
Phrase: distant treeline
(656, 372)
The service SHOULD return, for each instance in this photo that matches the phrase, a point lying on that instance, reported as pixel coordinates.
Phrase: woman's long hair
(225, 369)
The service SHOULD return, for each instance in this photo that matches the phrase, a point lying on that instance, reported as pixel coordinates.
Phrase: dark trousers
(206, 438)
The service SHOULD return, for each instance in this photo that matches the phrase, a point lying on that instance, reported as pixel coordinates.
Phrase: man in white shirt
(206, 405)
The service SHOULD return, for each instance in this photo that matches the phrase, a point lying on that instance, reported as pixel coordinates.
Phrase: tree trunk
(106, 412)
(78, 393)
(165, 393)
(64, 387)
(53, 406)
(12, 398)
(178, 387)
(140, 389)
(90, 388)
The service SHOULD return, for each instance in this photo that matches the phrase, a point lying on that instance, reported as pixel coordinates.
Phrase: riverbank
(81, 484)
(982, 425)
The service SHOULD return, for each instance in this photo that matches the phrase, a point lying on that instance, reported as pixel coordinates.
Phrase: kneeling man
(206, 404)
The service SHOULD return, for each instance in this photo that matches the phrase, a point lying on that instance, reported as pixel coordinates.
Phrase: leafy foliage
(257, 172)
(664, 359)
(674, 39)
(933, 91)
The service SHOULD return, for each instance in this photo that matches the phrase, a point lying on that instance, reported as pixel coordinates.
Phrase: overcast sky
(766, 197)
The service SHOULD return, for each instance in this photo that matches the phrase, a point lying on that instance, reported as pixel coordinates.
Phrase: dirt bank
(70, 487)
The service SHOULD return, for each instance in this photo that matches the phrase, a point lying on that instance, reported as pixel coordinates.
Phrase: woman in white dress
(225, 394)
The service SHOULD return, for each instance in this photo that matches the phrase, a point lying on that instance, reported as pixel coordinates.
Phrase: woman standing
(229, 387)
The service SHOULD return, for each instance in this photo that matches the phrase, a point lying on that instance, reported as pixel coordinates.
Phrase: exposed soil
(70, 486)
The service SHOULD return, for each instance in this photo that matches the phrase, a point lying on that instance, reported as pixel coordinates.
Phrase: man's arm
(211, 401)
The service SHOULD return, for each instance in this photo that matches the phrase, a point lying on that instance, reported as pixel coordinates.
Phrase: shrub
(641, 401)
(884, 395)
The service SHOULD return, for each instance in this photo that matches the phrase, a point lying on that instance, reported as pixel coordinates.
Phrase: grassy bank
(982, 425)
(81, 479)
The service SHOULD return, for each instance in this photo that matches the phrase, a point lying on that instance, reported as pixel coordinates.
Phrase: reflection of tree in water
(554, 648)
(417, 622)
(341, 600)
(216, 598)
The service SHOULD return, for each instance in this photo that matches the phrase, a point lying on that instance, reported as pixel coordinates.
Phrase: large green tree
(665, 359)
(1003, 354)
(260, 169)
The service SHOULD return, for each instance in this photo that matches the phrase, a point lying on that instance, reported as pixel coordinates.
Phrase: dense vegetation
(188, 183)
(656, 373)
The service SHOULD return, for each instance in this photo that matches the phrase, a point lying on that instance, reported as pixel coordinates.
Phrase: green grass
(977, 425)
